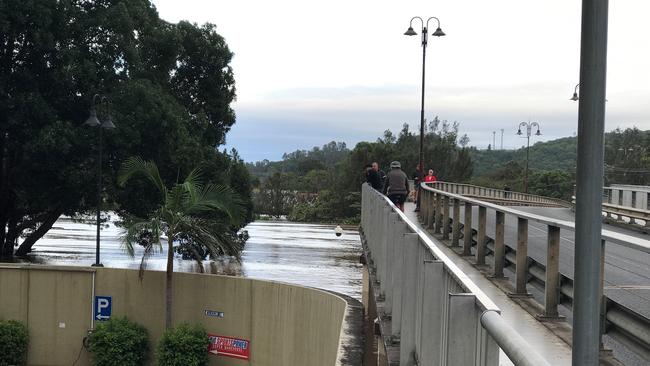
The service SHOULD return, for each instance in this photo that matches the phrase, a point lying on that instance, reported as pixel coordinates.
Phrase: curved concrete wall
(285, 324)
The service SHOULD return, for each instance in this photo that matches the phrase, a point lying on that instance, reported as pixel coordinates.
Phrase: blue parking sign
(103, 306)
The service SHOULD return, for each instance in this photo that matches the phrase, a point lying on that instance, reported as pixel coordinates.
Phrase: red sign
(228, 346)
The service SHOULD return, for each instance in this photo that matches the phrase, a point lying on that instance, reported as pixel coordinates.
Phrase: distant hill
(555, 154)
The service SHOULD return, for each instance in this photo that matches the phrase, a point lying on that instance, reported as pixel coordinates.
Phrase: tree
(192, 212)
(170, 85)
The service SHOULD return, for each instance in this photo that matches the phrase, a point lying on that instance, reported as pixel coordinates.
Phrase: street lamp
(529, 126)
(425, 36)
(575, 97)
(575, 93)
(93, 121)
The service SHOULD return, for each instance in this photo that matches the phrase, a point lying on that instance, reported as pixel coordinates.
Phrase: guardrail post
(521, 265)
(455, 229)
(384, 245)
(390, 263)
(445, 218)
(462, 323)
(551, 288)
(409, 295)
(434, 288)
(398, 279)
(499, 244)
(467, 230)
(424, 205)
(438, 227)
(480, 242)
(430, 212)
(424, 255)
(602, 297)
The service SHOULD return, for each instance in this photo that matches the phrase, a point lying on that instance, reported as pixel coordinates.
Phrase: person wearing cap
(396, 186)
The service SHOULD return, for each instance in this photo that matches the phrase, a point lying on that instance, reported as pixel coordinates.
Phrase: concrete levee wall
(285, 324)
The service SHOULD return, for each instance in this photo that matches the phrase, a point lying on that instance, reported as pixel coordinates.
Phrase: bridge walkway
(546, 343)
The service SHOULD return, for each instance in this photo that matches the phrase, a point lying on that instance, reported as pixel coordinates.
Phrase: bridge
(513, 291)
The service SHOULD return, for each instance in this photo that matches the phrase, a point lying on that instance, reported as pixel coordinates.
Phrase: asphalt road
(627, 271)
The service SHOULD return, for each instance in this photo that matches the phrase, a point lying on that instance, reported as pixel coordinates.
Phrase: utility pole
(589, 247)
(502, 139)
(494, 136)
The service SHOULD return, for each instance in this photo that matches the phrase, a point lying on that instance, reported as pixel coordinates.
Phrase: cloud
(300, 118)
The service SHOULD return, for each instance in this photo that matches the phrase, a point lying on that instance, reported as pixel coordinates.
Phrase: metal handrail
(500, 333)
(435, 212)
(608, 235)
(514, 345)
(506, 194)
(460, 276)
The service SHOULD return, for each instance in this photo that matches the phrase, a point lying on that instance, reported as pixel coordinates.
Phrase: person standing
(396, 186)
(372, 177)
(430, 178)
(382, 174)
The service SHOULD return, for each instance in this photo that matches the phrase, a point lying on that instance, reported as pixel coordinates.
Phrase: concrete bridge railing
(628, 196)
(440, 212)
(438, 314)
(503, 197)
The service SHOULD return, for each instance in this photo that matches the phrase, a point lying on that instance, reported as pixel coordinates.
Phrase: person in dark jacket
(382, 174)
(396, 186)
(372, 177)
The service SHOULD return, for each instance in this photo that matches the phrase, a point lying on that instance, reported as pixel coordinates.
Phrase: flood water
(304, 254)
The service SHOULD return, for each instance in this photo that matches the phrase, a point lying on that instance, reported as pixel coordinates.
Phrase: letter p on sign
(103, 305)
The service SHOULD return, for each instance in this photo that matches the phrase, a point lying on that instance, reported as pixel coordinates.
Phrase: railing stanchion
(438, 228)
(445, 218)
(467, 230)
(481, 239)
(409, 296)
(398, 257)
(551, 288)
(521, 265)
(429, 224)
(455, 229)
(499, 244)
(461, 332)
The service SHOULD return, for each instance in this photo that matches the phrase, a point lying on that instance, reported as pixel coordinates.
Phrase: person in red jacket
(430, 178)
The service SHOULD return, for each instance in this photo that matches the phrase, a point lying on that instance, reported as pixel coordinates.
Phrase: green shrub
(185, 345)
(118, 342)
(13, 343)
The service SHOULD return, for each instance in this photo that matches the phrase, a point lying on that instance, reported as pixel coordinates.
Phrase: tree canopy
(169, 86)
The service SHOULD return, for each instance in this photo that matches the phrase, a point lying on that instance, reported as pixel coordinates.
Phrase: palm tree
(199, 216)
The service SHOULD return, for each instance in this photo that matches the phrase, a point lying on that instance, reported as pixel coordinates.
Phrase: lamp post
(425, 36)
(93, 121)
(575, 93)
(529, 126)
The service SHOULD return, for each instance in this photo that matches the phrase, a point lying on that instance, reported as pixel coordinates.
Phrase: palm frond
(133, 228)
(135, 166)
(148, 252)
(216, 238)
(219, 199)
(193, 184)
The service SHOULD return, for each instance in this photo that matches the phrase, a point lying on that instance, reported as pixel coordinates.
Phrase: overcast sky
(309, 72)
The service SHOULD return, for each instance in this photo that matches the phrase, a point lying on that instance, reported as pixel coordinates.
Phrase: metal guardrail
(440, 316)
(508, 198)
(626, 326)
(621, 212)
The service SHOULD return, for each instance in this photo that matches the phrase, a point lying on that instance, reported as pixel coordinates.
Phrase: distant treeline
(335, 173)
(323, 184)
(552, 164)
